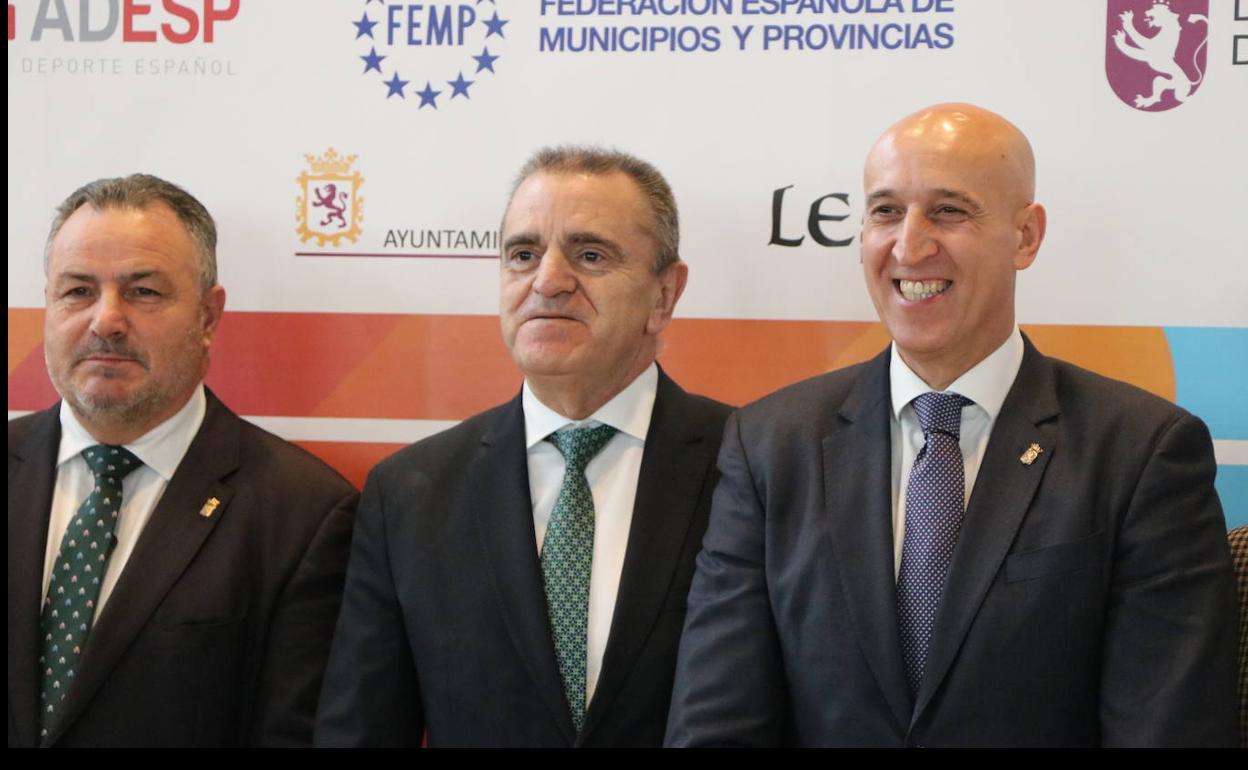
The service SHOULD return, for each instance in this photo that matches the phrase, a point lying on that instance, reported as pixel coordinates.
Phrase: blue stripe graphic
(1211, 377)
(1211, 382)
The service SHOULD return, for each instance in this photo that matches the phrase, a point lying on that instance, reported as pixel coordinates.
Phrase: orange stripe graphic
(447, 367)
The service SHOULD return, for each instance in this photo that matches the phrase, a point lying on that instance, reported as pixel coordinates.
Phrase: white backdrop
(1146, 207)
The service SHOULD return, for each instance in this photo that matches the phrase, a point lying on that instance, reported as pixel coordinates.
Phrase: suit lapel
(1002, 494)
(498, 495)
(168, 543)
(674, 468)
(857, 479)
(32, 475)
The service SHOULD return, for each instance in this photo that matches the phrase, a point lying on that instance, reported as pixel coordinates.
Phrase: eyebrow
(957, 195)
(137, 275)
(578, 238)
(521, 239)
(940, 192)
(581, 238)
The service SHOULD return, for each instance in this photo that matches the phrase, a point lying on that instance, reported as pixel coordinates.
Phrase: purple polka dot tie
(74, 586)
(935, 500)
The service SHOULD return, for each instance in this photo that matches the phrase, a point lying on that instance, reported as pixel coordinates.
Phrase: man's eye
(522, 255)
(77, 292)
(592, 257)
(950, 211)
(146, 292)
(883, 210)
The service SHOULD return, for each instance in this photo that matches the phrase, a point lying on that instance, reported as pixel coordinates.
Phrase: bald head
(950, 221)
(987, 144)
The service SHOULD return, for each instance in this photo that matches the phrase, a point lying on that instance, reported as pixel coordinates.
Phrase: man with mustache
(961, 541)
(520, 579)
(174, 572)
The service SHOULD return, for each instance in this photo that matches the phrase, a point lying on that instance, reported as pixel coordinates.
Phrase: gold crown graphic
(330, 162)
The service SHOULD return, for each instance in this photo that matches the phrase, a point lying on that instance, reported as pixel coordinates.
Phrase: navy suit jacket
(217, 632)
(444, 624)
(1089, 600)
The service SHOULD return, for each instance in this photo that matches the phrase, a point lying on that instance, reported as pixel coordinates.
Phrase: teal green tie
(568, 557)
(74, 586)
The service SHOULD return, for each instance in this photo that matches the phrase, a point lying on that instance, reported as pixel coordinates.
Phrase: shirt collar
(986, 383)
(628, 412)
(160, 449)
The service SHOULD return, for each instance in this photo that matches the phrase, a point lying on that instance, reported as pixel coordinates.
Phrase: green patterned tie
(74, 586)
(567, 559)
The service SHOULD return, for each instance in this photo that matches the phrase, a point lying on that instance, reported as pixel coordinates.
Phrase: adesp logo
(93, 21)
(403, 45)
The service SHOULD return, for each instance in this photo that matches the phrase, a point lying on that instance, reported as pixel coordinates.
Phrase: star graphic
(365, 26)
(460, 86)
(396, 86)
(372, 61)
(495, 26)
(428, 96)
(485, 61)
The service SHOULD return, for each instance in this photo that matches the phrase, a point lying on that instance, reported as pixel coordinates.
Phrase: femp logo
(428, 54)
(94, 21)
(1156, 51)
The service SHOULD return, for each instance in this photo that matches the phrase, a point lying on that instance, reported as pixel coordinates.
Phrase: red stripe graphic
(448, 367)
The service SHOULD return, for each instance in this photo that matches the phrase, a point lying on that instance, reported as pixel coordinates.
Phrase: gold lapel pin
(211, 506)
(1029, 457)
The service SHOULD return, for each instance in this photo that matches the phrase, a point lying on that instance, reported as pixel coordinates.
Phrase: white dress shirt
(987, 384)
(612, 477)
(161, 449)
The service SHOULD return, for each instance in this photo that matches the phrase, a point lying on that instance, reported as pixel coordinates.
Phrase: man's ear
(213, 309)
(671, 285)
(1031, 225)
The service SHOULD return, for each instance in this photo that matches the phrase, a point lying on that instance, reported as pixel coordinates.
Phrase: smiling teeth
(917, 290)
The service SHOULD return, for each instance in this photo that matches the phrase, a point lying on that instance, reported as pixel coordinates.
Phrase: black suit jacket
(444, 624)
(1089, 600)
(218, 629)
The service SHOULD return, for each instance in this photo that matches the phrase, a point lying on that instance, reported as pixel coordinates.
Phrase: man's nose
(554, 274)
(915, 242)
(109, 315)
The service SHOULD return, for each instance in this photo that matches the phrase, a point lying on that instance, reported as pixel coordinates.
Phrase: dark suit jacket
(1089, 600)
(217, 632)
(444, 624)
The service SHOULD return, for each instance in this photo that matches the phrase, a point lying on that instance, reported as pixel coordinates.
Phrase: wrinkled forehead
(151, 234)
(552, 202)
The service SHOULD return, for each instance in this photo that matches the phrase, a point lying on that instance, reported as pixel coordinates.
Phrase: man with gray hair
(174, 572)
(520, 579)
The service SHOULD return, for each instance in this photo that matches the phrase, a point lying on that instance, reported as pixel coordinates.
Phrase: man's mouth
(549, 317)
(914, 291)
(106, 363)
(106, 354)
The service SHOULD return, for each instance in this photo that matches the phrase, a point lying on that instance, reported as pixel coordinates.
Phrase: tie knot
(579, 445)
(941, 412)
(110, 461)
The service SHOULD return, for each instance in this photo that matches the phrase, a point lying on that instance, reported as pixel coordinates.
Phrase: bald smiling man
(960, 542)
